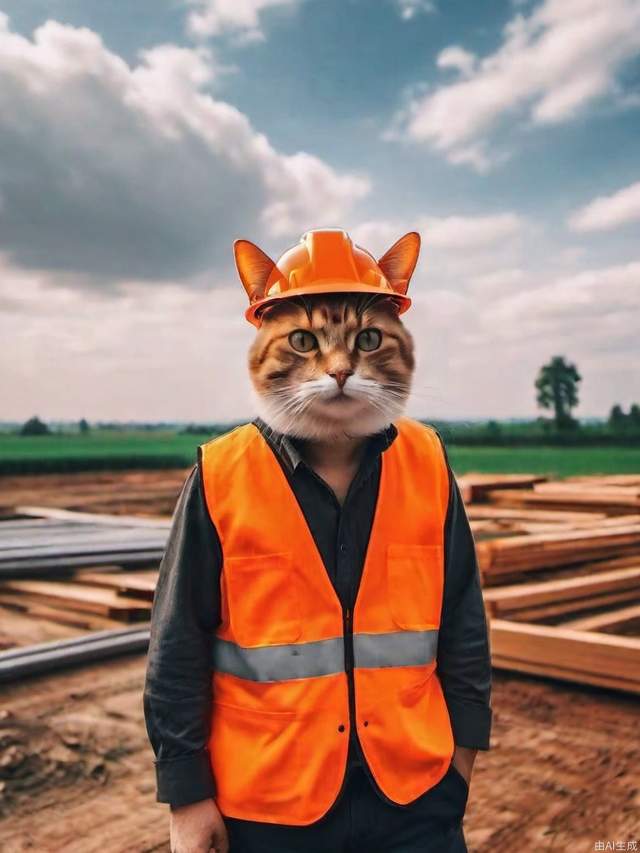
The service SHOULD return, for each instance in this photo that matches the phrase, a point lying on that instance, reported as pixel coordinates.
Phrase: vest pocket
(415, 579)
(263, 599)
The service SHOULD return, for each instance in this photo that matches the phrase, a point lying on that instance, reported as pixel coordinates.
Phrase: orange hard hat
(325, 261)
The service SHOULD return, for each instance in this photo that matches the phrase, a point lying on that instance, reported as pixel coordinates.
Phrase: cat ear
(399, 262)
(254, 268)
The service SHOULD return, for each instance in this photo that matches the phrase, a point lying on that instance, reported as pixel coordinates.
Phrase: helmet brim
(253, 311)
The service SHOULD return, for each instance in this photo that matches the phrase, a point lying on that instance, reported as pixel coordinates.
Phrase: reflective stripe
(397, 648)
(279, 663)
(324, 657)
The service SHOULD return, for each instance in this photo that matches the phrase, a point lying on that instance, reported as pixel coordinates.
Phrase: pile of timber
(537, 602)
(120, 597)
(588, 657)
(560, 567)
(502, 557)
(74, 568)
(596, 495)
(475, 487)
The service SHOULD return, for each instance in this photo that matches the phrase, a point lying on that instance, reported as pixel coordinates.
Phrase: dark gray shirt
(186, 612)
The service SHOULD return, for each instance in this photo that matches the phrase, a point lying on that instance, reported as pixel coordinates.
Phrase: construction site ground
(562, 772)
(76, 769)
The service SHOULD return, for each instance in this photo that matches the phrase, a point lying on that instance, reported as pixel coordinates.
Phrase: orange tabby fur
(300, 393)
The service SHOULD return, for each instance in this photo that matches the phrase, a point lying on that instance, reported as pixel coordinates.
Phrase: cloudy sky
(138, 140)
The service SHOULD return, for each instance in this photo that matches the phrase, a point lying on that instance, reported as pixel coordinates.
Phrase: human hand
(462, 760)
(198, 828)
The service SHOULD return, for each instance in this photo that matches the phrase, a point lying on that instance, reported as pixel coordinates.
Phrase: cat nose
(341, 376)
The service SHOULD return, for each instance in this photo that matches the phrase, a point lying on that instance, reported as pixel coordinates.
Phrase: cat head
(331, 364)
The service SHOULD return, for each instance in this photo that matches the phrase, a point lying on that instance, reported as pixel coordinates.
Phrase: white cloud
(608, 212)
(457, 58)
(215, 17)
(408, 9)
(550, 65)
(589, 305)
(445, 233)
(136, 172)
(131, 357)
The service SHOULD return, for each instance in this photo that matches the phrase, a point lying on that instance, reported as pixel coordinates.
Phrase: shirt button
(343, 547)
(341, 727)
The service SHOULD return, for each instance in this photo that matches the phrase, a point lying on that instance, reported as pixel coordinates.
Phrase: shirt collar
(288, 449)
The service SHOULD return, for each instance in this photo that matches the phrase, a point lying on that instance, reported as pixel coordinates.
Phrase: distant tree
(557, 389)
(494, 430)
(634, 415)
(83, 426)
(34, 426)
(617, 417)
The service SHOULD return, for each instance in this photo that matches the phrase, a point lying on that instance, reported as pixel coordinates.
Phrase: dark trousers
(360, 821)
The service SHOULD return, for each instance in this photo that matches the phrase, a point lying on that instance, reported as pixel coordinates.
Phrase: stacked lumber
(587, 657)
(533, 602)
(43, 543)
(508, 556)
(474, 487)
(578, 620)
(574, 497)
(95, 597)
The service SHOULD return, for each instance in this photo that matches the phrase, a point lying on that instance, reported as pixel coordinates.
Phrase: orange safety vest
(281, 687)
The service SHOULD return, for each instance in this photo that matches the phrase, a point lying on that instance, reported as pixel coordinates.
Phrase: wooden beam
(576, 605)
(611, 619)
(506, 599)
(525, 553)
(584, 656)
(74, 596)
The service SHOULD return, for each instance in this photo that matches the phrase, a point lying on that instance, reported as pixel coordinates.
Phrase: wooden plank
(589, 567)
(597, 679)
(61, 615)
(610, 619)
(558, 487)
(578, 501)
(506, 599)
(134, 584)
(475, 486)
(520, 553)
(482, 511)
(75, 596)
(562, 608)
(586, 654)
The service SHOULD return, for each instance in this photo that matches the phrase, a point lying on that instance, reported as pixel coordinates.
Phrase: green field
(555, 461)
(102, 450)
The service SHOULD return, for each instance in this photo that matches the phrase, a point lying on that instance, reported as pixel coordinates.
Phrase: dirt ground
(76, 769)
(77, 772)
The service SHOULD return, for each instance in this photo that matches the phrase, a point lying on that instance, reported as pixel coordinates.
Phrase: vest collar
(287, 448)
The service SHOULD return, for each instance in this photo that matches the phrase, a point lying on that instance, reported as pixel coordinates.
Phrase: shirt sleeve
(464, 659)
(185, 614)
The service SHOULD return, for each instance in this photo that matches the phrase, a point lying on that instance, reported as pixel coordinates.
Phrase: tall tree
(617, 417)
(557, 389)
(34, 426)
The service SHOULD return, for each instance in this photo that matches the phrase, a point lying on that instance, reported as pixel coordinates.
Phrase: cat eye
(303, 341)
(369, 339)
